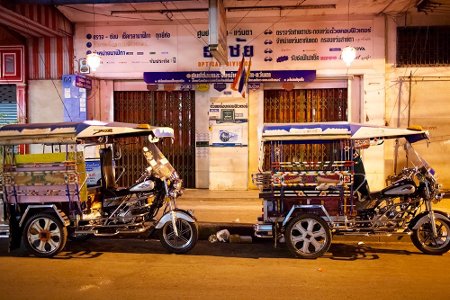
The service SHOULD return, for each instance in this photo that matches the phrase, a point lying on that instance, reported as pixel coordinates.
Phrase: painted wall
(45, 101)
(420, 95)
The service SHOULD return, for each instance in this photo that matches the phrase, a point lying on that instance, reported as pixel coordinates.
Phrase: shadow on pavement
(96, 247)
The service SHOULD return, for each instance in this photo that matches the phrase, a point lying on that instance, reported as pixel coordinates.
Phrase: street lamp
(348, 55)
(93, 59)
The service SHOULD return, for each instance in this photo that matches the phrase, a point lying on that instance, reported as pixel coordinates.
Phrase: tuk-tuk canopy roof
(336, 131)
(75, 132)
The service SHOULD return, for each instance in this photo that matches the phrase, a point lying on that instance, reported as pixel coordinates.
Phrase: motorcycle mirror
(153, 139)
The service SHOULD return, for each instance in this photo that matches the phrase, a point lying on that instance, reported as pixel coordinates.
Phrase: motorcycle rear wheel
(424, 240)
(186, 239)
(308, 236)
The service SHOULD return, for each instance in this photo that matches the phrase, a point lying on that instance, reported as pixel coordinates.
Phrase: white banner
(281, 46)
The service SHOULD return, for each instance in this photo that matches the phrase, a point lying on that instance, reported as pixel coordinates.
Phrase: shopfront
(295, 75)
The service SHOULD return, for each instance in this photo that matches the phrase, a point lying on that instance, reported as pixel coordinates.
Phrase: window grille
(423, 46)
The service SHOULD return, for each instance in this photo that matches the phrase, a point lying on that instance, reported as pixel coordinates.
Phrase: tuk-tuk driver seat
(107, 169)
(360, 183)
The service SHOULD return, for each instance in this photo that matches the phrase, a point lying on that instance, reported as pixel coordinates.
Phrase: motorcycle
(48, 199)
(307, 202)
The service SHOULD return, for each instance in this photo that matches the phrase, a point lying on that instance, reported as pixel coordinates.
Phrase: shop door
(302, 106)
(172, 109)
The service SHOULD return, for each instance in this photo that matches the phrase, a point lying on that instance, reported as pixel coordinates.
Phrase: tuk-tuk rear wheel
(44, 235)
(308, 236)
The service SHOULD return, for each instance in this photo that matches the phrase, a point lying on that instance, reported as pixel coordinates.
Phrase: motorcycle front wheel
(424, 239)
(183, 242)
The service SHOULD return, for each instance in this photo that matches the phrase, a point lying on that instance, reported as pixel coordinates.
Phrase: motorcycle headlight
(177, 185)
(176, 188)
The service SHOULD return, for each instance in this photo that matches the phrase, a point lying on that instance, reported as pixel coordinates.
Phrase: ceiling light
(93, 60)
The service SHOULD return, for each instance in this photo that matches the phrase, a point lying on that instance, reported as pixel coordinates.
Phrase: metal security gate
(302, 106)
(172, 109)
(8, 104)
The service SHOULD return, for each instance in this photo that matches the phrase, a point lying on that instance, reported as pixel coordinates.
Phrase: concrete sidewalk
(237, 211)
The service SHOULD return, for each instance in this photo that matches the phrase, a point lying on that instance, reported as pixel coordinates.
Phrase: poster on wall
(227, 135)
(272, 46)
(228, 122)
(93, 171)
(74, 93)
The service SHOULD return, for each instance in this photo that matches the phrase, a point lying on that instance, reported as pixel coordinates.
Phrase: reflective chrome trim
(263, 230)
(308, 206)
(179, 214)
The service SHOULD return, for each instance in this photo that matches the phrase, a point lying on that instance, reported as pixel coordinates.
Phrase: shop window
(423, 46)
(11, 64)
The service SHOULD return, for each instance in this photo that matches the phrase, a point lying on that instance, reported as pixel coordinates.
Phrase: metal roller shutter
(8, 104)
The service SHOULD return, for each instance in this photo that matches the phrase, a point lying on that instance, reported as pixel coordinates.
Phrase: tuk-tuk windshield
(161, 167)
(413, 159)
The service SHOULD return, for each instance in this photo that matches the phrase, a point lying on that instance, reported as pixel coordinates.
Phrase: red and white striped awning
(28, 27)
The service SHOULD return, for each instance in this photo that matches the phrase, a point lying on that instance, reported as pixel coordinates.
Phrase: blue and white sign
(228, 77)
(74, 99)
(93, 171)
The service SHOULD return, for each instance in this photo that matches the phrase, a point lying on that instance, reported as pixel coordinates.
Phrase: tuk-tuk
(67, 186)
(313, 185)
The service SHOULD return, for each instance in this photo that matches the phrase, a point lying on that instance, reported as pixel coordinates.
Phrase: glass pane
(9, 61)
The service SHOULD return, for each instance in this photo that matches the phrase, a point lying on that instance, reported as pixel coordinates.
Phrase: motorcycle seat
(112, 193)
(375, 195)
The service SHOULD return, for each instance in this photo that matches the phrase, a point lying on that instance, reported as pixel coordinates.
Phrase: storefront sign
(202, 87)
(272, 46)
(228, 77)
(220, 86)
(83, 82)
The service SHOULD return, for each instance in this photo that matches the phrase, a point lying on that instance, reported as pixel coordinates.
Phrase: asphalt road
(140, 269)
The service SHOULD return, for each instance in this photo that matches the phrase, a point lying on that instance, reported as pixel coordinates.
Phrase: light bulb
(348, 55)
(93, 60)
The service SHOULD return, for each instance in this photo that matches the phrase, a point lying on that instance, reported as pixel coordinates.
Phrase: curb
(244, 229)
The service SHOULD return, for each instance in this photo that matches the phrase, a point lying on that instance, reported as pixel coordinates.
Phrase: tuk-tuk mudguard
(41, 207)
(16, 222)
(307, 208)
(415, 222)
(179, 213)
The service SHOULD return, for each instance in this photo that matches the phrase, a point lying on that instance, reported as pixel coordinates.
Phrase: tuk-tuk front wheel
(424, 239)
(308, 236)
(44, 235)
(183, 242)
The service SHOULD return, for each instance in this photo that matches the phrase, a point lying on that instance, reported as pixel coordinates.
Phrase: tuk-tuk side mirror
(152, 138)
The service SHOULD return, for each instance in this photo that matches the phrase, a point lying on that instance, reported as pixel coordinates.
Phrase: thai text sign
(216, 76)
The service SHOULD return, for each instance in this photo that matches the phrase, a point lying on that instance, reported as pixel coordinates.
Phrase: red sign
(83, 82)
